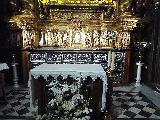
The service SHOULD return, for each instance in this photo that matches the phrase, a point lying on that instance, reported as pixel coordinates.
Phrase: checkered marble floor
(125, 106)
(17, 105)
(133, 105)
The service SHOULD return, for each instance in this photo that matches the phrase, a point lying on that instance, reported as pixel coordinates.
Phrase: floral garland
(67, 101)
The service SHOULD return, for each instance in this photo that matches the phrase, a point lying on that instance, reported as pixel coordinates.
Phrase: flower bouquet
(67, 101)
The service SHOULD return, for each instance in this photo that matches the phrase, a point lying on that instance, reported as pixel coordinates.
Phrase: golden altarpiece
(93, 26)
(76, 31)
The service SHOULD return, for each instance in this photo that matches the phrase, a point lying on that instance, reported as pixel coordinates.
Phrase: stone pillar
(138, 78)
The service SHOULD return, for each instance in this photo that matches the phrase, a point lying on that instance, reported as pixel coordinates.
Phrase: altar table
(75, 70)
(3, 66)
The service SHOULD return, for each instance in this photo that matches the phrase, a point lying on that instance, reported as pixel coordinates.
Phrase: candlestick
(109, 59)
(15, 76)
(113, 60)
(138, 78)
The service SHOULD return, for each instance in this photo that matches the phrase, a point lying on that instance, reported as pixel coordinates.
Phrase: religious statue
(77, 37)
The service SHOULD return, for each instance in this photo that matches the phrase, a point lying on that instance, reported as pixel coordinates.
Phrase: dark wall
(4, 14)
(149, 31)
(154, 56)
(7, 48)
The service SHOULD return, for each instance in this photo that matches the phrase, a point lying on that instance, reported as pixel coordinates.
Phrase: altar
(70, 77)
(3, 66)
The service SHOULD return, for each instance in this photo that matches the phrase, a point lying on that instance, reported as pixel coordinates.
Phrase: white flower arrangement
(68, 103)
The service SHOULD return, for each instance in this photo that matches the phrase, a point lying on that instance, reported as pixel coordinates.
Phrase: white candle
(113, 60)
(109, 59)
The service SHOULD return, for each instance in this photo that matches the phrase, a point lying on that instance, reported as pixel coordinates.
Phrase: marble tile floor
(17, 105)
(152, 95)
(132, 102)
(133, 105)
(126, 105)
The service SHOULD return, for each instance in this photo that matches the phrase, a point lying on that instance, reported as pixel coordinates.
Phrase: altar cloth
(74, 70)
(3, 66)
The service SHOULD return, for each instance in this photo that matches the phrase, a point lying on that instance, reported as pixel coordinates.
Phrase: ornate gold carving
(123, 39)
(89, 2)
(80, 15)
(89, 23)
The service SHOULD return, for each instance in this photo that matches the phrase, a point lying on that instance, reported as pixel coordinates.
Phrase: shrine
(71, 54)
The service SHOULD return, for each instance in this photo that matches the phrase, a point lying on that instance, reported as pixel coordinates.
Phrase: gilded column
(36, 23)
